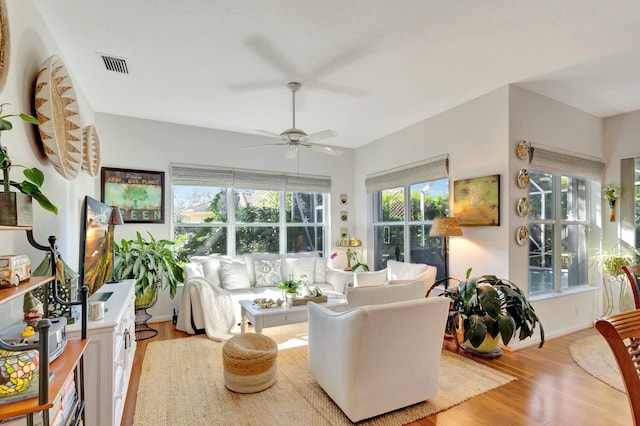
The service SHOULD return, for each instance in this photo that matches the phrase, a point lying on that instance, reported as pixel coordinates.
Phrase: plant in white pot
(488, 309)
(15, 207)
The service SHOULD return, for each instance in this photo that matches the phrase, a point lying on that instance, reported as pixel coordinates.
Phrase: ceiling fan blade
(317, 136)
(324, 149)
(270, 134)
(267, 51)
(266, 145)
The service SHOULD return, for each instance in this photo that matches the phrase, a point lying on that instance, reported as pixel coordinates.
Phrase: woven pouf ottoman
(249, 361)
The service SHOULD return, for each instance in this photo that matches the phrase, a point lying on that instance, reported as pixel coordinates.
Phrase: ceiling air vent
(115, 64)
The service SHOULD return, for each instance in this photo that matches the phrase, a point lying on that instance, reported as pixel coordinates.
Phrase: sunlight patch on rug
(182, 384)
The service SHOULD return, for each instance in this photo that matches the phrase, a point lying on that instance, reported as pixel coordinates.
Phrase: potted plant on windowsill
(488, 309)
(16, 207)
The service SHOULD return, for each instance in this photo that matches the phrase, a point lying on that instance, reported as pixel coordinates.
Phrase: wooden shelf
(10, 293)
(61, 369)
(15, 228)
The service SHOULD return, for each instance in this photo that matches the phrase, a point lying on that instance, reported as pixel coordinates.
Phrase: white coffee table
(282, 315)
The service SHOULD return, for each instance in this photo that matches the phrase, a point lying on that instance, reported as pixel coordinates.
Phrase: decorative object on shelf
(522, 235)
(4, 44)
(33, 309)
(522, 207)
(349, 242)
(488, 309)
(476, 201)
(67, 289)
(265, 303)
(611, 193)
(114, 219)
(90, 151)
(445, 227)
(523, 178)
(18, 371)
(154, 266)
(59, 115)
(290, 288)
(14, 269)
(16, 207)
(138, 193)
(344, 216)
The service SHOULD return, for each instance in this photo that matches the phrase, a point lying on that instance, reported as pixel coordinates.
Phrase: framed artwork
(476, 201)
(138, 193)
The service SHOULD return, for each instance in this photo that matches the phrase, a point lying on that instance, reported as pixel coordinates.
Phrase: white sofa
(381, 356)
(397, 273)
(227, 280)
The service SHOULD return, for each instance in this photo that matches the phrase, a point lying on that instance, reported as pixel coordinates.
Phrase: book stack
(63, 406)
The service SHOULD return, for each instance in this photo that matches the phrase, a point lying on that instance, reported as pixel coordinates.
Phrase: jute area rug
(182, 384)
(594, 356)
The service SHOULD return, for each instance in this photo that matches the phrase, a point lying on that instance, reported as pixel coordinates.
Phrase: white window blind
(565, 164)
(423, 171)
(183, 174)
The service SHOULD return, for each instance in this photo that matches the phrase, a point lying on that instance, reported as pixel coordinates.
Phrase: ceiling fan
(294, 138)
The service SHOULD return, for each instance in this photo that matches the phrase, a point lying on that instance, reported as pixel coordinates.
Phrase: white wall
(31, 43)
(152, 145)
(549, 123)
(474, 135)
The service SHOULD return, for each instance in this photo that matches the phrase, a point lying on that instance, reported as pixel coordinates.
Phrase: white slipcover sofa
(223, 281)
(378, 357)
(397, 273)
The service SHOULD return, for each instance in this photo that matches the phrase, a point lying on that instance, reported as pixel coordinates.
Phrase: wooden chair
(622, 333)
(633, 273)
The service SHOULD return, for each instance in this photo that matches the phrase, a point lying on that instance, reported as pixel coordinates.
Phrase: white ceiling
(368, 67)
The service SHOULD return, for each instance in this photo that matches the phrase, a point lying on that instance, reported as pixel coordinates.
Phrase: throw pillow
(234, 275)
(368, 279)
(297, 268)
(192, 269)
(268, 272)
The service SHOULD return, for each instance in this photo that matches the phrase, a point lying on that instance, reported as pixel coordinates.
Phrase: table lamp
(349, 242)
(114, 219)
(445, 227)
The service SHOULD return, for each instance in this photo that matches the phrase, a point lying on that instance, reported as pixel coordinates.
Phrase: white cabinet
(109, 356)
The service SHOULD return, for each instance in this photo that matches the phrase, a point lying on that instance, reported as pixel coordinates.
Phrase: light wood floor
(550, 390)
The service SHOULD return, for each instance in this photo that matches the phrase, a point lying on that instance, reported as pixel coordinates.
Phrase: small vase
(612, 210)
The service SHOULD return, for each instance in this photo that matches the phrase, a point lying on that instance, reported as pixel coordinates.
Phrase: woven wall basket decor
(58, 113)
(4, 44)
(90, 150)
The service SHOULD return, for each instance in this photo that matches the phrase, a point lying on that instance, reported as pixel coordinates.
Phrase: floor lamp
(445, 227)
(114, 219)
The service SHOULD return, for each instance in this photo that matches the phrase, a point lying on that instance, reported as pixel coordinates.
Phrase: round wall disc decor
(522, 207)
(90, 151)
(523, 178)
(58, 113)
(522, 235)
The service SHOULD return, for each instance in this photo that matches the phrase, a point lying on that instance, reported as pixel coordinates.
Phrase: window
(404, 202)
(559, 231)
(394, 229)
(232, 220)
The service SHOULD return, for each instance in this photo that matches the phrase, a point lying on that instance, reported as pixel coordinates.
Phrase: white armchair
(378, 358)
(397, 273)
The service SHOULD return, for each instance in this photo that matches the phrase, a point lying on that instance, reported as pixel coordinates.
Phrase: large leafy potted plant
(488, 309)
(151, 263)
(11, 203)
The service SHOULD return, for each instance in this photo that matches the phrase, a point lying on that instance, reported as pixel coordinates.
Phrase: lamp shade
(445, 227)
(116, 216)
(349, 242)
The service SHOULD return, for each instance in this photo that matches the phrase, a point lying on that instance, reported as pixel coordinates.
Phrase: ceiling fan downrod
(294, 87)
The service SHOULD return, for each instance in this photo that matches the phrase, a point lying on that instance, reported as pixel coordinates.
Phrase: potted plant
(610, 263)
(611, 193)
(151, 263)
(11, 203)
(488, 309)
(290, 288)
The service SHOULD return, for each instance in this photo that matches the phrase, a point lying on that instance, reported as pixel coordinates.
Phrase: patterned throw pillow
(268, 272)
